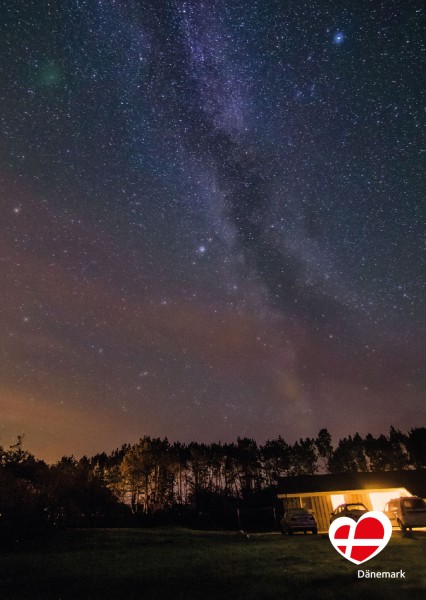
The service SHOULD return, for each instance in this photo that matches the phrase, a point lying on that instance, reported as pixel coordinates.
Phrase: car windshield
(355, 507)
(414, 503)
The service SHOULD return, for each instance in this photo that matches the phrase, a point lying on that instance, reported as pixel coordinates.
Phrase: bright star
(339, 37)
(202, 249)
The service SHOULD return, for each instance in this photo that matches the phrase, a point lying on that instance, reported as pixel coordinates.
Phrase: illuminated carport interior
(377, 499)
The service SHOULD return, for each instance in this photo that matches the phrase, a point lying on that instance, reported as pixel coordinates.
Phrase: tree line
(154, 474)
(155, 480)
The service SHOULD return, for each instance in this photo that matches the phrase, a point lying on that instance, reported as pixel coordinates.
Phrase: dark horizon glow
(211, 221)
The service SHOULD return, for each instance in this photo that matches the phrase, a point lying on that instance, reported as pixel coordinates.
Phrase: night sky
(212, 220)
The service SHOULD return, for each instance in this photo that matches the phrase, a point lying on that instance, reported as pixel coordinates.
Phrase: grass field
(181, 564)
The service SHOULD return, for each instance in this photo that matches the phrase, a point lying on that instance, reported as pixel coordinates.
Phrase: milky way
(212, 220)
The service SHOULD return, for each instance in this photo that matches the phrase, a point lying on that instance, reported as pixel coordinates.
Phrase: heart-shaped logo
(360, 541)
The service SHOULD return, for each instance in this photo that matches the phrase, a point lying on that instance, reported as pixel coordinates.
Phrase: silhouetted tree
(276, 456)
(303, 457)
(248, 465)
(349, 455)
(416, 446)
(324, 447)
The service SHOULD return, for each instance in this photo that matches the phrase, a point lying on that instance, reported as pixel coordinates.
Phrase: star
(338, 38)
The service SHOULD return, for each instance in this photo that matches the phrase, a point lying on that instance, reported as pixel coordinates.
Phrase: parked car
(353, 510)
(298, 519)
(406, 512)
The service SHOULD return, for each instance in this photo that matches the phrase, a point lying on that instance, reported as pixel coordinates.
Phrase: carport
(322, 493)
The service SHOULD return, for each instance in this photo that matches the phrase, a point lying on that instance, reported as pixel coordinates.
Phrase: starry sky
(212, 220)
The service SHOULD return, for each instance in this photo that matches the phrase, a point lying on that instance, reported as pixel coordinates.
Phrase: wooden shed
(321, 494)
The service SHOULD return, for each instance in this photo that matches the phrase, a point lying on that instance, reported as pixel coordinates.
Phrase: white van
(406, 512)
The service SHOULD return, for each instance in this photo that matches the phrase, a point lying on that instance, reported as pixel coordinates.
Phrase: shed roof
(413, 481)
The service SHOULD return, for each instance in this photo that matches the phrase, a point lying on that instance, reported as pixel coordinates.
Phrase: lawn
(196, 565)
